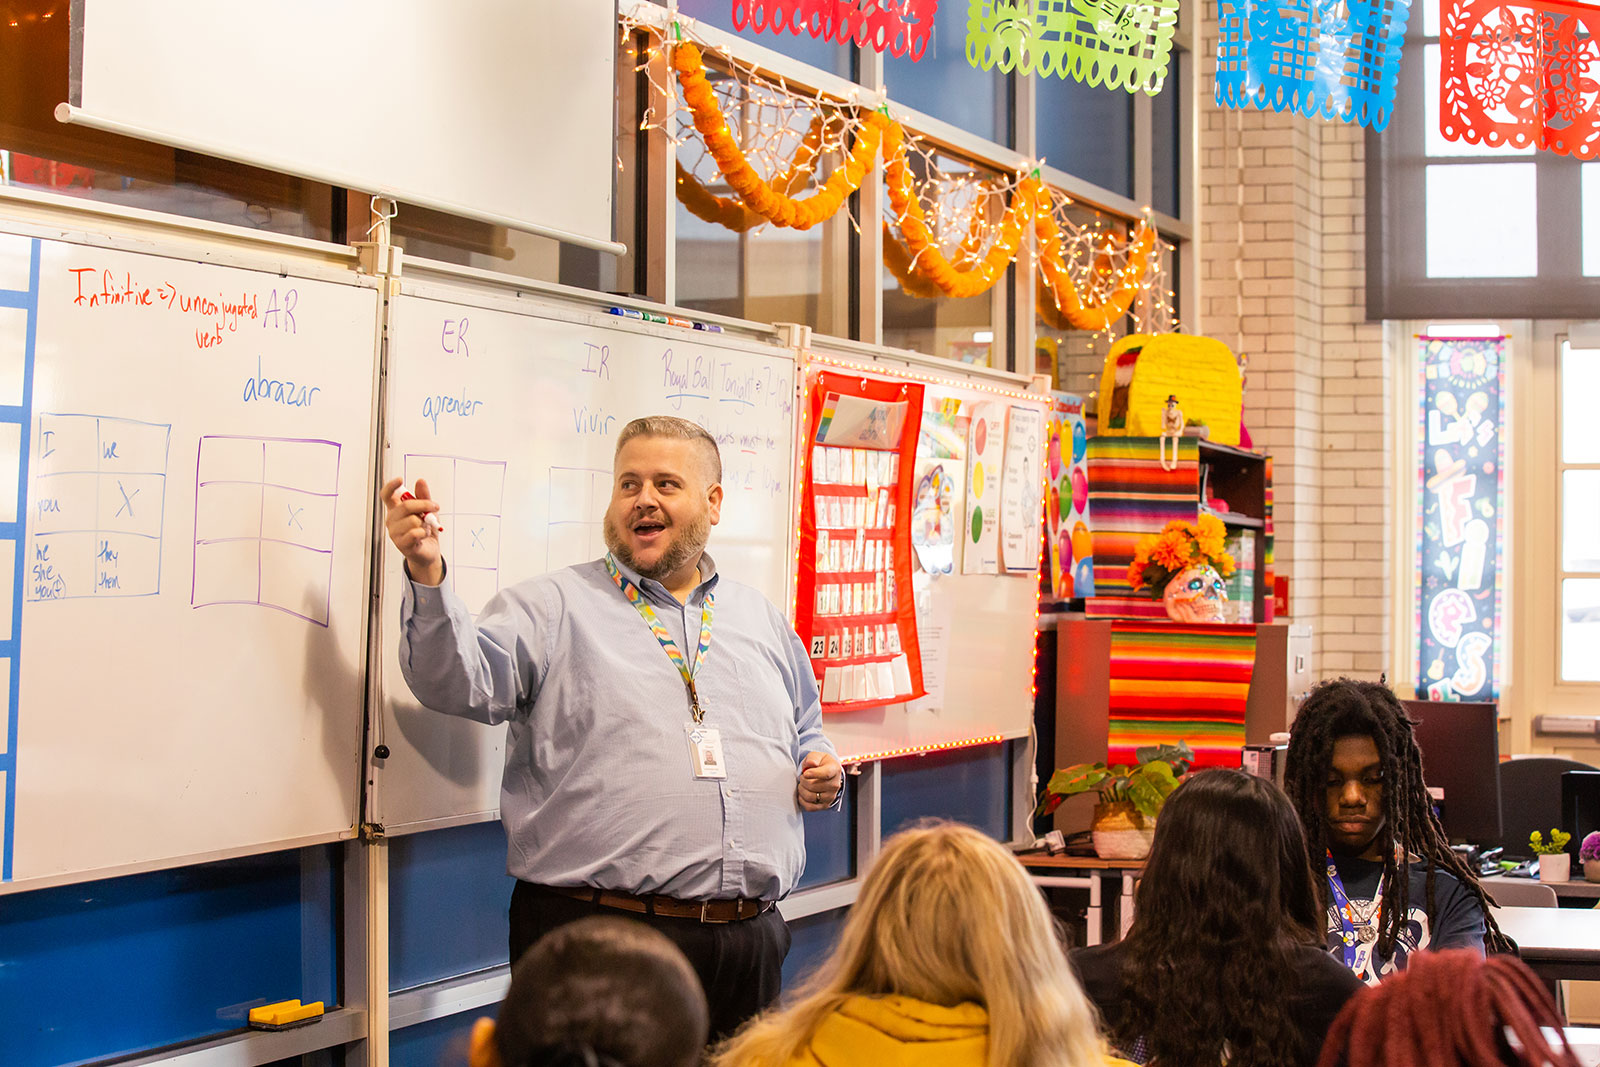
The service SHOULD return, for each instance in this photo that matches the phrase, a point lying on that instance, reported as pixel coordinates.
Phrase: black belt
(706, 911)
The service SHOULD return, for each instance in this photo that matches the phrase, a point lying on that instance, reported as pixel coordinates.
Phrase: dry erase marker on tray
(429, 519)
(628, 313)
(673, 320)
(709, 327)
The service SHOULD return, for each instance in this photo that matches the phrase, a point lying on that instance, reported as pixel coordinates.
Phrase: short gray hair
(677, 429)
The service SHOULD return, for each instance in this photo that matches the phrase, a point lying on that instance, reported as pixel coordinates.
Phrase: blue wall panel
(437, 1042)
(970, 785)
(106, 968)
(830, 841)
(449, 903)
(814, 937)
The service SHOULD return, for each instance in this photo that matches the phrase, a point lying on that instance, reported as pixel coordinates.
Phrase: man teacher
(664, 726)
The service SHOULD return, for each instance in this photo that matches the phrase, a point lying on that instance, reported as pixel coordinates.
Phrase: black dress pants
(740, 963)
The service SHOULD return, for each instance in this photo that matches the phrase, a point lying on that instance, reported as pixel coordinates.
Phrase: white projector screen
(500, 110)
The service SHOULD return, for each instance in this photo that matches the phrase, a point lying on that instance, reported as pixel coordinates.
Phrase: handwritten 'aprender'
(97, 288)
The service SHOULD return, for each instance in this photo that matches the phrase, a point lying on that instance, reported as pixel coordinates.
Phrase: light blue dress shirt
(598, 788)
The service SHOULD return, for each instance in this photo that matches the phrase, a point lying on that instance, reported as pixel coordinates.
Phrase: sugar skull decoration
(1185, 565)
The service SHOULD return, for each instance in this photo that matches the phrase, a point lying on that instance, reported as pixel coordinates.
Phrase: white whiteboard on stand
(987, 620)
(501, 110)
(510, 408)
(185, 584)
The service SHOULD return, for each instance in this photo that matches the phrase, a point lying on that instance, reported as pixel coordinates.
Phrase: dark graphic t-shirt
(1457, 920)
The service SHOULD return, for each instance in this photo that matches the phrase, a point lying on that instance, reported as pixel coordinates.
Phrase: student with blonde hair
(949, 959)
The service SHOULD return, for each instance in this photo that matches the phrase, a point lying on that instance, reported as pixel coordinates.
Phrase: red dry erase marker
(429, 520)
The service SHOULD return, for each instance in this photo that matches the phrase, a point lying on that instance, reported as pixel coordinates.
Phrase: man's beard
(690, 542)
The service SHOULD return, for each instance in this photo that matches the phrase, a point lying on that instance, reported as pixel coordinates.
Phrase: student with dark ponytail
(1390, 885)
(1224, 963)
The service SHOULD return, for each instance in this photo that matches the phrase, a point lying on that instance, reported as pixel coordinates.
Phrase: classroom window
(1166, 139)
(960, 329)
(765, 273)
(1457, 228)
(1087, 131)
(944, 85)
(1579, 465)
(1072, 357)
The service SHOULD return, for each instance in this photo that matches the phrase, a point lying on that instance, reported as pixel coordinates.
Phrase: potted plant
(1130, 797)
(1589, 853)
(1554, 863)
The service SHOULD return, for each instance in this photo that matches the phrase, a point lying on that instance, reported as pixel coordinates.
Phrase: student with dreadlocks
(1391, 885)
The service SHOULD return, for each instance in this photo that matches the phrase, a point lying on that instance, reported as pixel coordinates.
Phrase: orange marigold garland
(929, 261)
(775, 206)
(1063, 293)
(730, 212)
(1180, 544)
(919, 264)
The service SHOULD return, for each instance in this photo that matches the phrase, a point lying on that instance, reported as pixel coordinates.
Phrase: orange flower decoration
(1159, 557)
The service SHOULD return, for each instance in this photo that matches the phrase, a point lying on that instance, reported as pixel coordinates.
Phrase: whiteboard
(185, 460)
(510, 408)
(501, 110)
(988, 619)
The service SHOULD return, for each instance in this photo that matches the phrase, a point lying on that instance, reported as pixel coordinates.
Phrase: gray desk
(1571, 893)
(1558, 943)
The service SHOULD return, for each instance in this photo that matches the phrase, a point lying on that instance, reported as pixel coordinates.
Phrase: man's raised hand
(406, 520)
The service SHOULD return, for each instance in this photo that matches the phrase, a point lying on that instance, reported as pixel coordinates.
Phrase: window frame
(1564, 344)
(1398, 286)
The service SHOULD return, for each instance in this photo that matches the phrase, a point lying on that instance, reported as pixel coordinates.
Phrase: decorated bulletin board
(1461, 524)
(974, 623)
(1066, 502)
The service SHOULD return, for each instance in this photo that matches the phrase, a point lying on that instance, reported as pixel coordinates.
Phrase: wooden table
(1042, 867)
(1558, 943)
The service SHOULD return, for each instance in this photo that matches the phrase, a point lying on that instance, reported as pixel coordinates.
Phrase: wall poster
(1460, 504)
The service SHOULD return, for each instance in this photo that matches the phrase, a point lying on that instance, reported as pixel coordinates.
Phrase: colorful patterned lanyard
(668, 645)
(1347, 915)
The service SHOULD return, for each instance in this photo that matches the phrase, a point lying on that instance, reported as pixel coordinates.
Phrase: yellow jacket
(896, 1031)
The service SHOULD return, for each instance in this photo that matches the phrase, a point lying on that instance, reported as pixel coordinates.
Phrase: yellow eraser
(285, 1013)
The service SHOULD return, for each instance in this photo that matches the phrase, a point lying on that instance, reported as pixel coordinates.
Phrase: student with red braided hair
(1451, 1009)
(1390, 884)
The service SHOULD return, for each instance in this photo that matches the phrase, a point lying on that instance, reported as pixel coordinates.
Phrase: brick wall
(1282, 281)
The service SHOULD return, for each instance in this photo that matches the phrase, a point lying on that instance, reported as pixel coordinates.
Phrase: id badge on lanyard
(706, 761)
(1350, 938)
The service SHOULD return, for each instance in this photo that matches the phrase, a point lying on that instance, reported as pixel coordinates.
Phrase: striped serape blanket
(1131, 497)
(1174, 682)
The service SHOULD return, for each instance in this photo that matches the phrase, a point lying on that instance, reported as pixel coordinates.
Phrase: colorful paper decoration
(1337, 57)
(1461, 517)
(899, 27)
(1175, 682)
(1130, 497)
(1066, 509)
(853, 601)
(1269, 543)
(1142, 370)
(1521, 73)
(1116, 43)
